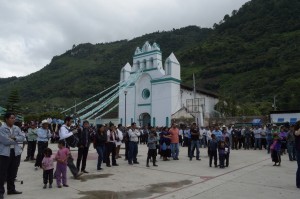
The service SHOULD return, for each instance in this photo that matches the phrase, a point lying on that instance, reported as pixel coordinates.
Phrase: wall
(287, 116)
(209, 102)
(130, 105)
(161, 103)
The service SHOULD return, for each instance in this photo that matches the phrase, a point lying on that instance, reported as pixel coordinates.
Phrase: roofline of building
(211, 94)
(284, 111)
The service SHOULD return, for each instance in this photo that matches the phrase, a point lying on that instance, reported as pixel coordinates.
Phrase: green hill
(253, 55)
(247, 58)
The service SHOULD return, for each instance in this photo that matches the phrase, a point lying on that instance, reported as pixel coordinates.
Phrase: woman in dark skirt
(165, 142)
(283, 137)
(276, 150)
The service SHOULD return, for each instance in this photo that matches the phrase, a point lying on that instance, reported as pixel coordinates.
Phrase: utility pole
(75, 106)
(274, 103)
(194, 82)
(196, 104)
(125, 93)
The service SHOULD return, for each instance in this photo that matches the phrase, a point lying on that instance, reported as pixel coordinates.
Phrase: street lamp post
(125, 92)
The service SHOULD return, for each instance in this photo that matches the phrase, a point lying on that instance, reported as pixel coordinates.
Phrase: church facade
(157, 96)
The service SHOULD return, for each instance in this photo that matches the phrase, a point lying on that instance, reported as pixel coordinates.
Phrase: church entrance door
(145, 119)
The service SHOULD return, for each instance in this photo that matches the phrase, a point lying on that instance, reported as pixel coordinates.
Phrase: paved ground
(250, 175)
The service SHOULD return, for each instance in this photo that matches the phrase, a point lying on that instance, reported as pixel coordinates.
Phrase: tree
(226, 17)
(13, 101)
(234, 12)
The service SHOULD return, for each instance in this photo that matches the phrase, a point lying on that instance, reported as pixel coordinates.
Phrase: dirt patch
(141, 193)
(85, 178)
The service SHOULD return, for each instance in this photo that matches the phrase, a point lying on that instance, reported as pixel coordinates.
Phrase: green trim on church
(146, 70)
(148, 104)
(165, 79)
(146, 53)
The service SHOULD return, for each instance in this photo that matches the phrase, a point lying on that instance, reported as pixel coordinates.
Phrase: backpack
(72, 141)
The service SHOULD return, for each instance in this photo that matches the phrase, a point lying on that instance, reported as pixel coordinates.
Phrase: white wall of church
(130, 106)
(176, 98)
(143, 83)
(161, 104)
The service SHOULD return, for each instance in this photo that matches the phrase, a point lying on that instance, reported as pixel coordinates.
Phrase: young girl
(213, 150)
(221, 154)
(283, 137)
(61, 166)
(47, 165)
(151, 148)
(276, 150)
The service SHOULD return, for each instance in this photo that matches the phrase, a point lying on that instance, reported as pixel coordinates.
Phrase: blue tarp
(293, 120)
(256, 122)
(280, 120)
(57, 121)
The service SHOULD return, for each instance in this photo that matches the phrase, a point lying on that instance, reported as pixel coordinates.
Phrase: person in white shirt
(112, 138)
(119, 142)
(203, 138)
(43, 136)
(229, 131)
(134, 134)
(64, 133)
(257, 135)
(208, 133)
(181, 136)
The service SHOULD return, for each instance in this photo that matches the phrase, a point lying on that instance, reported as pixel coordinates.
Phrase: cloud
(34, 31)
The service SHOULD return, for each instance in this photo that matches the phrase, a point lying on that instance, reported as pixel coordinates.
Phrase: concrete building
(291, 116)
(157, 96)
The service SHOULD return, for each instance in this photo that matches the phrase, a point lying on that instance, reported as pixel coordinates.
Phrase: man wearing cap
(133, 133)
(43, 136)
(224, 132)
(10, 154)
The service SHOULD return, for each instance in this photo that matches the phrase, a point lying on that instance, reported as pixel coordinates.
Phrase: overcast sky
(33, 31)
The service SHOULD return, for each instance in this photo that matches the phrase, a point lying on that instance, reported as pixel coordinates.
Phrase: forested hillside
(253, 55)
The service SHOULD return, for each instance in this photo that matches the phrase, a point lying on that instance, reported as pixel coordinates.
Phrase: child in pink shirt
(61, 166)
(47, 165)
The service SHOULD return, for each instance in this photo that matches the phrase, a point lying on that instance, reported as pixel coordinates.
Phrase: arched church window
(151, 62)
(168, 67)
(167, 121)
(145, 93)
(138, 65)
(144, 64)
(123, 74)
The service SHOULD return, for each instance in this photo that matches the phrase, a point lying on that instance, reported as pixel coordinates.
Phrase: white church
(158, 97)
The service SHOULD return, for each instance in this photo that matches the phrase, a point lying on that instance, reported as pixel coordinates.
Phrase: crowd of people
(107, 140)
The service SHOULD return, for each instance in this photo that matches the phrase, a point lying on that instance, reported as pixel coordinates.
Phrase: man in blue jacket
(10, 154)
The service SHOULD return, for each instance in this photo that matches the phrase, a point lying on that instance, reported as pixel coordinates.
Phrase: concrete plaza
(249, 175)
